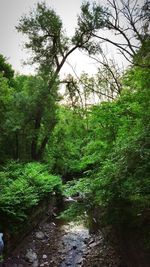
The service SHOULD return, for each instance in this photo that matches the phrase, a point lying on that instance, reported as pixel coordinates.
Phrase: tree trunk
(38, 117)
(42, 148)
(17, 145)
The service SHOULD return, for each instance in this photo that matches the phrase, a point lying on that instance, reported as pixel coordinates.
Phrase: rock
(40, 235)
(31, 256)
(91, 241)
(46, 263)
(92, 244)
(79, 262)
(44, 256)
(35, 263)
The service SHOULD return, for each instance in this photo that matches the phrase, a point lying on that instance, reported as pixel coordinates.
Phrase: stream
(58, 244)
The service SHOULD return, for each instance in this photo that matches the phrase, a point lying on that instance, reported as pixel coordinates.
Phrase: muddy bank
(14, 232)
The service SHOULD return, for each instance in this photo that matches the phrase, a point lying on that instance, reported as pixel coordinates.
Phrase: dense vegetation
(22, 187)
(100, 150)
(115, 156)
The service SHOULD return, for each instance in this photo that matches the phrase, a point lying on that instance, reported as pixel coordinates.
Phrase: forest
(90, 140)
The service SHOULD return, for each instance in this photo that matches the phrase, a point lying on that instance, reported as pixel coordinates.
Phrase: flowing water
(74, 242)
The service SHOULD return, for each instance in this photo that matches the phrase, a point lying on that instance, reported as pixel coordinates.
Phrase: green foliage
(115, 159)
(104, 148)
(75, 212)
(28, 116)
(45, 35)
(23, 186)
(92, 18)
(6, 70)
(65, 147)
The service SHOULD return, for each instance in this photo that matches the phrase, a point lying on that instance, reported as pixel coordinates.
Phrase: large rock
(31, 256)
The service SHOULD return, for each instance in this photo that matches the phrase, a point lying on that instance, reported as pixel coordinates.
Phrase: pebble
(35, 263)
(93, 244)
(39, 235)
(44, 256)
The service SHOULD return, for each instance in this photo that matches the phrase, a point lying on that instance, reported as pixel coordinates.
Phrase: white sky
(11, 44)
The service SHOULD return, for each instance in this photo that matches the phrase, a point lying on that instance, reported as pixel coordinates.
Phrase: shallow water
(74, 242)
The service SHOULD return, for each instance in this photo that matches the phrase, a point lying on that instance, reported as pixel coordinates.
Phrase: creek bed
(74, 241)
(56, 244)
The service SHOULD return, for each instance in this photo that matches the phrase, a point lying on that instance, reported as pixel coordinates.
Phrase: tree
(50, 48)
(47, 41)
(6, 69)
(115, 158)
(86, 90)
(128, 21)
(64, 148)
(37, 113)
(6, 96)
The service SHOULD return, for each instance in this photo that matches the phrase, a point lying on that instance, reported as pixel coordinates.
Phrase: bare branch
(114, 43)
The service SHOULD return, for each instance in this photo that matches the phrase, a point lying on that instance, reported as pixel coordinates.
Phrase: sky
(11, 44)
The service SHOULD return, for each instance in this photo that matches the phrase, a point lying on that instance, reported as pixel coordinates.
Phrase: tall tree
(50, 48)
(6, 96)
(37, 112)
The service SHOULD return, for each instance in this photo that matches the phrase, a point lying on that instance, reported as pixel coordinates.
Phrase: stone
(31, 256)
(92, 244)
(44, 256)
(40, 235)
(46, 263)
(35, 264)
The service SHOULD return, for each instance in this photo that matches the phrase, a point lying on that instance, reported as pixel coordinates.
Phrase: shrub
(23, 186)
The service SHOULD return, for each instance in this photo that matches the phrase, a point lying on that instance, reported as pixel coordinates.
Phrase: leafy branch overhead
(127, 20)
(47, 39)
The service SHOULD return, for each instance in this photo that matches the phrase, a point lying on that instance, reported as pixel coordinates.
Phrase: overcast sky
(11, 44)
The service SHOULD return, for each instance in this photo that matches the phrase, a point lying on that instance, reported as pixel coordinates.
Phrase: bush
(23, 186)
